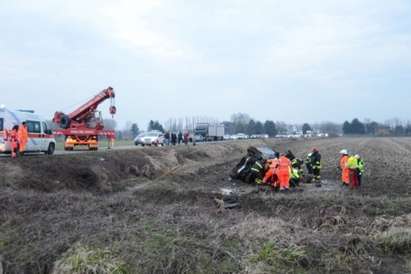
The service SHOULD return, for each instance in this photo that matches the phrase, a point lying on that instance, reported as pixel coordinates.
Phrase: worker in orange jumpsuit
(284, 172)
(345, 171)
(23, 137)
(270, 176)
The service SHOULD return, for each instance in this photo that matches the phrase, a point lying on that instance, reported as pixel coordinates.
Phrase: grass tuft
(396, 240)
(291, 259)
(86, 260)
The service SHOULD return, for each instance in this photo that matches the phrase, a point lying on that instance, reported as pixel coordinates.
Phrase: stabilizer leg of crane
(92, 148)
(110, 144)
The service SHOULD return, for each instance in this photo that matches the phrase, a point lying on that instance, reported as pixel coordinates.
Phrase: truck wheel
(64, 121)
(51, 149)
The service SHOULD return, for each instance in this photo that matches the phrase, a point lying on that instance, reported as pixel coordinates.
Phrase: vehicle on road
(155, 138)
(259, 136)
(41, 138)
(209, 132)
(240, 136)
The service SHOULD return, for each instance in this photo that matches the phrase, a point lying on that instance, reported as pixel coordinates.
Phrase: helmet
(357, 156)
(344, 152)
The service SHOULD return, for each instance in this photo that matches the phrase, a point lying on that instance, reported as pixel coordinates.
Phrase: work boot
(318, 184)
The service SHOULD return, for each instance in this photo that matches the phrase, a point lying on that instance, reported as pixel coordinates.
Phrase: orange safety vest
(345, 176)
(23, 134)
(284, 165)
(273, 163)
(12, 137)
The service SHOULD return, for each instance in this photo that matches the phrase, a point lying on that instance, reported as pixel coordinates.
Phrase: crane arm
(83, 111)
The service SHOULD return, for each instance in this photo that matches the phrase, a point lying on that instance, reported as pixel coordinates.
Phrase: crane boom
(84, 111)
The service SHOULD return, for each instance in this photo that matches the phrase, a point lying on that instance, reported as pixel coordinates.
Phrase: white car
(41, 138)
(240, 136)
(155, 138)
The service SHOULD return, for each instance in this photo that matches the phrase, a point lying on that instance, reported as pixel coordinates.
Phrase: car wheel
(51, 149)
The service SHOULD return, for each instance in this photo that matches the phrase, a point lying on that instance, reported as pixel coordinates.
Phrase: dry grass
(152, 211)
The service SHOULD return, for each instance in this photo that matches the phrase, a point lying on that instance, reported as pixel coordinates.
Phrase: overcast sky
(294, 61)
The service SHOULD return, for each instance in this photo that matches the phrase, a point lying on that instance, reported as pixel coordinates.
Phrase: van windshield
(1, 124)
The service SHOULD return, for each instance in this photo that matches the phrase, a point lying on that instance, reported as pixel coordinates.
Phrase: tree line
(244, 123)
(392, 127)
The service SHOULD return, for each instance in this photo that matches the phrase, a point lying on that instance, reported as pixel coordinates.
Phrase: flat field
(152, 210)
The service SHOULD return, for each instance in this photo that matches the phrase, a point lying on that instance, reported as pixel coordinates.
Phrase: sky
(295, 61)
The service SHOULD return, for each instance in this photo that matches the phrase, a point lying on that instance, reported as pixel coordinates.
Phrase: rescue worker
(290, 155)
(352, 165)
(173, 139)
(23, 137)
(316, 166)
(284, 172)
(12, 138)
(297, 172)
(257, 172)
(167, 138)
(295, 177)
(308, 164)
(186, 137)
(180, 137)
(345, 172)
(270, 176)
(360, 168)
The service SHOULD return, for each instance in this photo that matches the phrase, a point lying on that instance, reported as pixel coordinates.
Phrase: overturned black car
(252, 166)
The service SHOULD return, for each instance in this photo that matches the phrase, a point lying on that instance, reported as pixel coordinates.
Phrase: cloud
(210, 56)
(128, 24)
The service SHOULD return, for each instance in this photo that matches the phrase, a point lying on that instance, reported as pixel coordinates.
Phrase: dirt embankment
(152, 211)
(110, 171)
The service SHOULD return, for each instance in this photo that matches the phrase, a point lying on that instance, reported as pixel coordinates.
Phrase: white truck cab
(41, 138)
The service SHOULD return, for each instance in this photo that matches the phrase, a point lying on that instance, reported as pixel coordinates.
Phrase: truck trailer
(209, 132)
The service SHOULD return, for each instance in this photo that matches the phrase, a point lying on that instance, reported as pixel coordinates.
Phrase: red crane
(83, 126)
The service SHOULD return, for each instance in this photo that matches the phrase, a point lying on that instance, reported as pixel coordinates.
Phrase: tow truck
(84, 126)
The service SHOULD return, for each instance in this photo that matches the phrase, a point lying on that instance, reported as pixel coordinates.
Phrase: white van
(41, 138)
